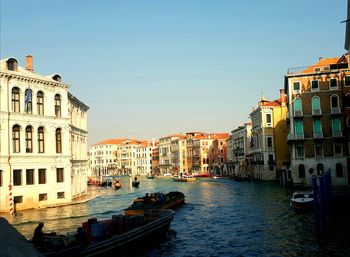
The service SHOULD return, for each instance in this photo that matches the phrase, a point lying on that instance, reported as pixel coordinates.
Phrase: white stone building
(241, 142)
(79, 136)
(35, 148)
(144, 157)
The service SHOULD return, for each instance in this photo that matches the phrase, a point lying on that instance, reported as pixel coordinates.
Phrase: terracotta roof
(118, 141)
(219, 135)
(320, 64)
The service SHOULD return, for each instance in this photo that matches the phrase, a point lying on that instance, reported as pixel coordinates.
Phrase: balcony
(335, 110)
(318, 135)
(316, 112)
(298, 114)
(295, 136)
(337, 133)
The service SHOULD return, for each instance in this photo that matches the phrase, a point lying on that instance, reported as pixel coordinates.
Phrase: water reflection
(220, 218)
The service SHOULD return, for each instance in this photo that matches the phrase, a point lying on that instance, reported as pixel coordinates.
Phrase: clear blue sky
(152, 68)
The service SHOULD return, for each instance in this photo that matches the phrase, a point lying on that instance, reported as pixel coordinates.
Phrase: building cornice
(33, 80)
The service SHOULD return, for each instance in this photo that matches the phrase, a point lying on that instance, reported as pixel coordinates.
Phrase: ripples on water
(220, 218)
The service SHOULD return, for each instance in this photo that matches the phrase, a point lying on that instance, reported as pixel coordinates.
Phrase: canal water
(221, 217)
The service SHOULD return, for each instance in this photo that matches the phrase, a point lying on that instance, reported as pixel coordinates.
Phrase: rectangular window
(299, 131)
(269, 142)
(18, 199)
(318, 150)
(338, 149)
(314, 85)
(299, 151)
(30, 177)
(347, 81)
(17, 177)
(296, 86)
(333, 84)
(268, 119)
(42, 197)
(336, 127)
(59, 174)
(42, 176)
(60, 195)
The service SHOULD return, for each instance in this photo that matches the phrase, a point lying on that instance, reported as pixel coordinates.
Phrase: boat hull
(185, 179)
(148, 233)
(141, 208)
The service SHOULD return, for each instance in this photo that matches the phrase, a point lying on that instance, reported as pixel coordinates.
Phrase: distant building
(155, 159)
(178, 155)
(269, 138)
(241, 141)
(144, 157)
(319, 120)
(165, 155)
(218, 153)
(38, 119)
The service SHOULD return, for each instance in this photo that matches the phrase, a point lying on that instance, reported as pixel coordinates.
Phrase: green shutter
(317, 126)
(336, 124)
(297, 104)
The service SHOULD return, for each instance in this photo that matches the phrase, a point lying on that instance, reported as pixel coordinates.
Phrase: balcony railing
(318, 135)
(295, 136)
(335, 110)
(316, 112)
(337, 133)
(298, 113)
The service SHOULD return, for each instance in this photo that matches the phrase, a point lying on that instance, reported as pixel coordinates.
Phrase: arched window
(58, 105)
(339, 170)
(301, 169)
(41, 140)
(15, 99)
(16, 139)
(12, 64)
(40, 102)
(28, 100)
(29, 139)
(316, 105)
(334, 101)
(58, 141)
(298, 111)
(319, 169)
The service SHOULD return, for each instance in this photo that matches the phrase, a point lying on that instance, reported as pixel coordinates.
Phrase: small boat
(135, 183)
(165, 175)
(116, 185)
(150, 177)
(155, 201)
(302, 200)
(108, 237)
(185, 178)
(200, 175)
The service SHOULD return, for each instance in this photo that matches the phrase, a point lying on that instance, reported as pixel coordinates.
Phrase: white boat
(185, 178)
(302, 200)
(165, 175)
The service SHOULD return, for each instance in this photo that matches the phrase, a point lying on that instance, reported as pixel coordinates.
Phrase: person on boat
(147, 198)
(81, 236)
(135, 179)
(38, 237)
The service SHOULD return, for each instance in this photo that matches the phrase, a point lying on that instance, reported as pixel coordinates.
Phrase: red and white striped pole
(11, 200)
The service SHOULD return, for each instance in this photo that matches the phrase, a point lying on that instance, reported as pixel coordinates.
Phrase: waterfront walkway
(92, 192)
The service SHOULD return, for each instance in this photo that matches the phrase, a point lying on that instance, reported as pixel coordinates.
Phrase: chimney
(29, 62)
(283, 97)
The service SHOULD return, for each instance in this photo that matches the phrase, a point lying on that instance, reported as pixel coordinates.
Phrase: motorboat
(302, 200)
(155, 201)
(108, 237)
